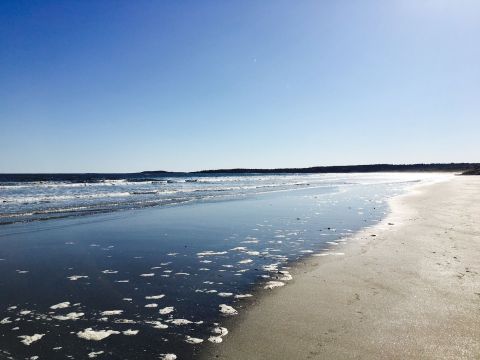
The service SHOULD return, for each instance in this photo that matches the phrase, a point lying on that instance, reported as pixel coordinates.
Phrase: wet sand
(412, 291)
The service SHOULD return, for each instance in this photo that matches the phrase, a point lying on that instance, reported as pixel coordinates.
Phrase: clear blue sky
(185, 85)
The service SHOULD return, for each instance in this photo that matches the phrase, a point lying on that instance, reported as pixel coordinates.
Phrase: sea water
(156, 266)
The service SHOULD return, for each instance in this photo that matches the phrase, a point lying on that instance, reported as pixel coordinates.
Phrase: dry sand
(410, 292)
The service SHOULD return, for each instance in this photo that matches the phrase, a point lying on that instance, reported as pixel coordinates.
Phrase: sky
(119, 86)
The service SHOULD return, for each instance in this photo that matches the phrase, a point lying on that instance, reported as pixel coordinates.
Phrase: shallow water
(168, 271)
(40, 197)
(23, 198)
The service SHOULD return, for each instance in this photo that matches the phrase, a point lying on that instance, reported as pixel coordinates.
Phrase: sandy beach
(408, 288)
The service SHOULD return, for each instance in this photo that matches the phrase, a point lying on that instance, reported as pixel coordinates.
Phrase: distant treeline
(452, 167)
(464, 168)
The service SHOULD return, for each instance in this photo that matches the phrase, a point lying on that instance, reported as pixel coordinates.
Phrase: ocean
(130, 267)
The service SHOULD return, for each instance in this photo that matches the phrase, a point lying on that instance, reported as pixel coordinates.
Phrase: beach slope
(408, 288)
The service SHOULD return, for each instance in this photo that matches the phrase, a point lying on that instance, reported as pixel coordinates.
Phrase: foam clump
(28, 340)
(61, 305)
(180, 322)
(227, 310)
(285, 276)
(215, 339)
(243, 296)
(271, 267)
(130, 332)
(5, 321)
(110, 271)
(166, 310)
(273, 284)
(192, 340)
(124, 321)
(76, 277)
(330, 253)
(246, 261)
(211, 253)
(111, 312)
(221, 331)
(70, 316)
(95, 335)
(168, 357)
(157, 325)
(94, 354)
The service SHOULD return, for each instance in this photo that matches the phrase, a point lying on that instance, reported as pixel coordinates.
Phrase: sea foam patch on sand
(219, 333)
(227, 309)
(284, 276)
(329, 254)
(193, 340)
(273, 284)
(243, 296)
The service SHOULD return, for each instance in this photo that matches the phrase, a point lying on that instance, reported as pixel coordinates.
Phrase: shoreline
(404, 288)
